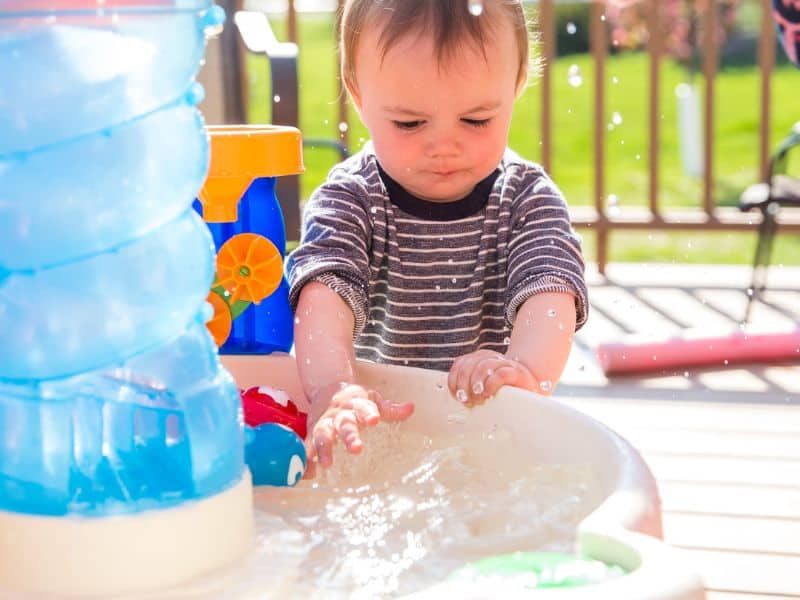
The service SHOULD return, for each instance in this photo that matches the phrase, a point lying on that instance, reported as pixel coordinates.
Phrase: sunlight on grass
(626, 128)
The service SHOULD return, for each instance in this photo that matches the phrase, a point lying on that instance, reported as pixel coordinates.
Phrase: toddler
(435, 246)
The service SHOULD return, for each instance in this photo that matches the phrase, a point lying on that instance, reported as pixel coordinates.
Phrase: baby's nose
(442, 145)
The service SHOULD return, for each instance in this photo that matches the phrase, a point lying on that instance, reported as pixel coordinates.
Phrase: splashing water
(475, 7)
(574, 76)
(411, 509)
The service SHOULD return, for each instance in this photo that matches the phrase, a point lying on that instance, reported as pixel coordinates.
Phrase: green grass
(736, 139)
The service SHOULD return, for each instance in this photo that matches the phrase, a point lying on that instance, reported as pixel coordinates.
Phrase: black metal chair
(258, 37)
(768, 197)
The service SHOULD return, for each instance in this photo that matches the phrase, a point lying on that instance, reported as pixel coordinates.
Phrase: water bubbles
(546, 385)
(571, 28)
(276, 98)
(454, 280)
(373, 210)
(343, 127)
(461, 396)
(612, 203)
(475, 7)
(574, 76)
(616, 118)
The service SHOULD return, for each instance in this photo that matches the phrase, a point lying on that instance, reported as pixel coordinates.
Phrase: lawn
(736, 137)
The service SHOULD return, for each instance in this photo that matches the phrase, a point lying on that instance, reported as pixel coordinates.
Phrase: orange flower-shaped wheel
(249, 267)
(220, 323)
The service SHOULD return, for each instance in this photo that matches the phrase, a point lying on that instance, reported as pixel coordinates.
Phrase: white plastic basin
(624, 527)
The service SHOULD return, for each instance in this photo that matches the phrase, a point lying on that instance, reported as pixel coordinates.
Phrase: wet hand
(477, 376)
(350, 409)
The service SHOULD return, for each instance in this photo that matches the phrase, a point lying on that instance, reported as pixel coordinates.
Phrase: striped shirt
(428, 282)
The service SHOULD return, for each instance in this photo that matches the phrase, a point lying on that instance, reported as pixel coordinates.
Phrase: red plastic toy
(264, 404)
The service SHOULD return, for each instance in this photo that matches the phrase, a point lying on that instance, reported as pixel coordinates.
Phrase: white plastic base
(106, 556)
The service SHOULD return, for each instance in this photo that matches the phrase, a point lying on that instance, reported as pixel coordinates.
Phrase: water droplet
(439, 387)
(574, 76)
(373, 210)
(571, 28)
(475, 7)
(726, 361)
(551, 312)
(686, 373)
(297, 320)
(343, 127)
(507, 341)
(461, 396)
(454, 280)
(308, 361)
(615, 80)
(276, 98)
(438, 287)
(477, 388)
(616, 118)
(546, 385)
(638, 157)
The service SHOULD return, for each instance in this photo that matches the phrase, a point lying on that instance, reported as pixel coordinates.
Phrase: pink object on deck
(695, 351)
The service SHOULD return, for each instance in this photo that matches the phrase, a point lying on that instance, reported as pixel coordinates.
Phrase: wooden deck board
(724, 444)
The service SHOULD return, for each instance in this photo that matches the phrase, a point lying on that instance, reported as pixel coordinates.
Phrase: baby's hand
(477, 376)
(351, 408)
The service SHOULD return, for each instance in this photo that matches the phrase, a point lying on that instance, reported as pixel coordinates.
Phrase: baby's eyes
(412, 125)
(407, 125)
(477, 122)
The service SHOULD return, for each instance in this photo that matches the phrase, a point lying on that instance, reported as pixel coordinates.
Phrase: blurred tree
(681, 22)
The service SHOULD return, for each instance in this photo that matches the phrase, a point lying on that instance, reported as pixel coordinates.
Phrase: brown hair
(451, 22)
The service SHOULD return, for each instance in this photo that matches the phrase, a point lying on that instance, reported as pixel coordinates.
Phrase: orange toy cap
(240, 154)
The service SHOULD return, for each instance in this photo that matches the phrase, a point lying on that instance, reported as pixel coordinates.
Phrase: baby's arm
(540, 343)
(340, 407)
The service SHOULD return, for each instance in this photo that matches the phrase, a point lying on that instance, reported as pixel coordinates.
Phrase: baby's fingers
(311, 461)
(391, 411)
(509, 374)
(346, 425)
(322, 438)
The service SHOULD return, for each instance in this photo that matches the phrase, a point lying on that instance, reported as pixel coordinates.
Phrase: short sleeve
(334, 243)
(544, 251)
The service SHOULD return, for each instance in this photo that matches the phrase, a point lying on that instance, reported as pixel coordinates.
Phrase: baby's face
(437, 130)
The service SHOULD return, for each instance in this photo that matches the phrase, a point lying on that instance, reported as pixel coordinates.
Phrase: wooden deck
(724, 444)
